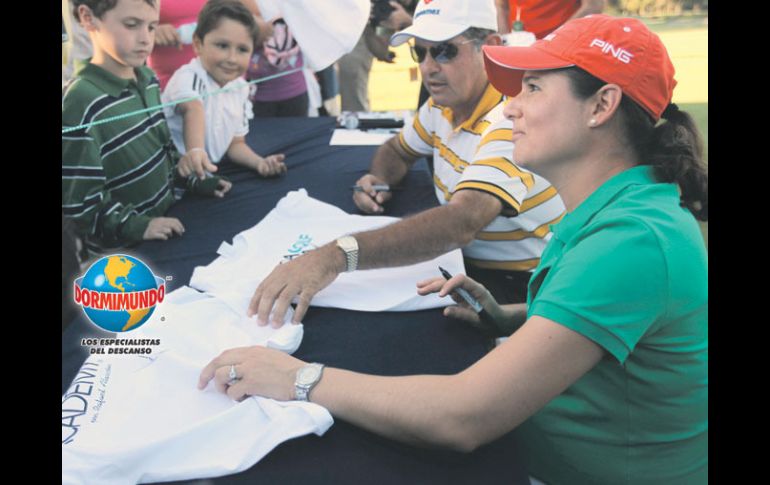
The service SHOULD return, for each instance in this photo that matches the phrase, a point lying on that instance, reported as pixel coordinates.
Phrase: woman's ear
(605, 103)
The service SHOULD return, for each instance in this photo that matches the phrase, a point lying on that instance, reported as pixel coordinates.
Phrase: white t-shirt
(227, 113)
(478, 155)
(299, 223)
(140, 418)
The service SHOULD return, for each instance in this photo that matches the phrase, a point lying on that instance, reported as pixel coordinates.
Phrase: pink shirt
(166, 60)
(280, 53)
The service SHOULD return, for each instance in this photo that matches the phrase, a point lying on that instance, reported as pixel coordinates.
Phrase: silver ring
(232, 375)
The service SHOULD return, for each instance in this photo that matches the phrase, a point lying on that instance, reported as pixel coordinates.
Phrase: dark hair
(99, 7)
(674, 147)
(478, 35)
(213, 12)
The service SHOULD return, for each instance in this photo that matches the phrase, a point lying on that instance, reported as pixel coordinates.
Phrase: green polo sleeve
(609, 285)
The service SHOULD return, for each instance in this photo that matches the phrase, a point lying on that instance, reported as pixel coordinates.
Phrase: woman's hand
(259, 372)
(464, 311)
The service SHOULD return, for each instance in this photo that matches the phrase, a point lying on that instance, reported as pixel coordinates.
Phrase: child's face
(125, 35)
(225, 51)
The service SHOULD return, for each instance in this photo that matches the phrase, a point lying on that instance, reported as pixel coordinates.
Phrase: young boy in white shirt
(210, 127)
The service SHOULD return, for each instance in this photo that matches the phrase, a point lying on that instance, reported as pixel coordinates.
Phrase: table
(400, 343)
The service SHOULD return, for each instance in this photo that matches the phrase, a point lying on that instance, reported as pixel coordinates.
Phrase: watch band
(349, 245)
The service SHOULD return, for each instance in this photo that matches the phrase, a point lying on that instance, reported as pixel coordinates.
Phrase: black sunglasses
(442, 53)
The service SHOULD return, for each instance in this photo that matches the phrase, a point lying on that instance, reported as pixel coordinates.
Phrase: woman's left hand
(259, 372)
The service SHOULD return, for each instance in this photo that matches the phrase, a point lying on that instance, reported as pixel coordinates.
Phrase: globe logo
(119, 293)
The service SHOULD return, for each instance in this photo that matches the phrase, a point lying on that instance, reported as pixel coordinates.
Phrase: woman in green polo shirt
(605, 377)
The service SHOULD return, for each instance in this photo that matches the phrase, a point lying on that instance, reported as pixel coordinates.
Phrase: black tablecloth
(379, 343)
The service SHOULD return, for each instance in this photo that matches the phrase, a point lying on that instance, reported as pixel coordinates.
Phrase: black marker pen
(474, 303)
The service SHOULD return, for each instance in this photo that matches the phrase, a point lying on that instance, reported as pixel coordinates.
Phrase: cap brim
(428, 31)
(505, 65)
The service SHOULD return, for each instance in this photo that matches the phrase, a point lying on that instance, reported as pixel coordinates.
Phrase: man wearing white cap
(497, 212)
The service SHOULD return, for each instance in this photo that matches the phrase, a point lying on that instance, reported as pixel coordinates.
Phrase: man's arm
(265, 28)
(419, 238)
(430, 233)
(503, 14)
(391, 162)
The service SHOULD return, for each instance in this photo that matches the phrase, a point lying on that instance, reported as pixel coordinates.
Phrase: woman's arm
(461, 411)
(473, 407)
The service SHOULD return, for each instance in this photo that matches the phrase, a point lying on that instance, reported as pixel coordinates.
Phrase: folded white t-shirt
(300, 223)
(140, 418)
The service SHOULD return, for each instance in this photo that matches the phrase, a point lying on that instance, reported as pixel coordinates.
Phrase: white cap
(440, 20)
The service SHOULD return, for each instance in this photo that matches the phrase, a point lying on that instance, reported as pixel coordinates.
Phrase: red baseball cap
(620, 51)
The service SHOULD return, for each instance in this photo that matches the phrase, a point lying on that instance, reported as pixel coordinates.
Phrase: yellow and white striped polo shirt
(478, 155)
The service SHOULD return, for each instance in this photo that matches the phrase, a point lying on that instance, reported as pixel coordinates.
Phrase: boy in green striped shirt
(118, 177)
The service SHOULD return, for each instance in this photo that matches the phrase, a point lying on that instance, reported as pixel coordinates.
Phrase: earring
(592, 122)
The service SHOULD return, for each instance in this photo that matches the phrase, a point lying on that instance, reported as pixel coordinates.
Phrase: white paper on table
(344, 136)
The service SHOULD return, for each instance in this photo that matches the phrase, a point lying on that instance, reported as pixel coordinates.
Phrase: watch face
(307, 375)
(346, 243)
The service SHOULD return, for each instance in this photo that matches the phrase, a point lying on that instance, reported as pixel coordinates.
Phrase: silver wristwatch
(349, 246)
(307, 377)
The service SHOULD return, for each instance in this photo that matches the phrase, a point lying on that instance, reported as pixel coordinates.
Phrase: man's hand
(368, 199)
(271, 165)
(195, 161)
(302, 277)
(167, 35)
(399, 19)
(163, 228)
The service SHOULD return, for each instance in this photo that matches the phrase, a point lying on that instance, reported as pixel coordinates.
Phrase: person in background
(281, 96)
(215, 125)
(329, 82)
(77, 46)
(606, 377)
(170, 53)
(541, 17)
(356, 65)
